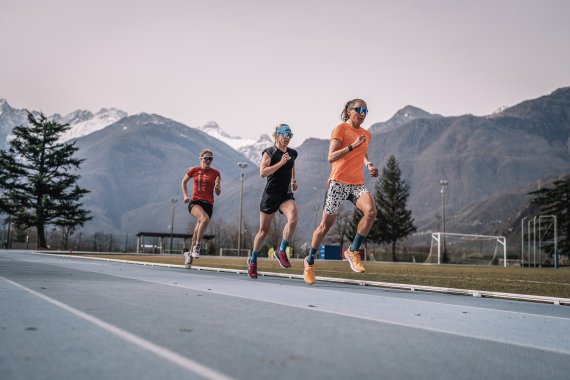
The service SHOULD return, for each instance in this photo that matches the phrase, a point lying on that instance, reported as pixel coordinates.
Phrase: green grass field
(533, 281)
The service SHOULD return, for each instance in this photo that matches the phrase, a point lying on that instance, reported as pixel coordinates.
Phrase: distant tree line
(555, 201)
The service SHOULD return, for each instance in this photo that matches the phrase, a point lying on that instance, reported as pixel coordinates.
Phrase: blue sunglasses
(363, 110)
(287, 135)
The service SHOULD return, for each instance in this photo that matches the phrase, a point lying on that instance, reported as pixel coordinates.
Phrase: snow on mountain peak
(83, 122)
(214, 130)
(4, 105)
(497, 112)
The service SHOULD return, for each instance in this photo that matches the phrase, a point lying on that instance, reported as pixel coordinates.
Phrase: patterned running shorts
(340, 192)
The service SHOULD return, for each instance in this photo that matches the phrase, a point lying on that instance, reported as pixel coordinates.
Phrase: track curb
(410, 287)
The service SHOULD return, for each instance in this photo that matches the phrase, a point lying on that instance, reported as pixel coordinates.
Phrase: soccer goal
(234, 252)
(467, 249)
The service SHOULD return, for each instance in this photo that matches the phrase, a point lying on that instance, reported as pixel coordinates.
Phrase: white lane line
(160, 351)
(403, 287)
(382, 320)
(164, 281)
(319, 289)
(261, 298)
(255, 297)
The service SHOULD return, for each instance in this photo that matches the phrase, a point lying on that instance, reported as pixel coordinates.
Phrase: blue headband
(282, 129)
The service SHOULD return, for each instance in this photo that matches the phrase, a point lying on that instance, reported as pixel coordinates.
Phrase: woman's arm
(293, 179)
(265, 169)
(336, 152)
(184, 190)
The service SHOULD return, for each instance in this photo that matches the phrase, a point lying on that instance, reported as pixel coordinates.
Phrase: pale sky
(251, 64)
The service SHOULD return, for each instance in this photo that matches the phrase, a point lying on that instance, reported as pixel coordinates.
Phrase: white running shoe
(187, 260)
(196, 251)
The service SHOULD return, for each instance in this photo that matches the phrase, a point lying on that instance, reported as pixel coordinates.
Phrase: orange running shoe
(308, 272)
(353, 259)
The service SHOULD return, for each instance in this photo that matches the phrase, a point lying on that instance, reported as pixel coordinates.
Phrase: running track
(71, 318)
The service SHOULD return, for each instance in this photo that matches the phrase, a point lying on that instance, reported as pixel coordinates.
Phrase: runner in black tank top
(278, 165)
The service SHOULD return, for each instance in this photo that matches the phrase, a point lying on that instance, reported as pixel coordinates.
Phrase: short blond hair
(275, 134)
(203, 152)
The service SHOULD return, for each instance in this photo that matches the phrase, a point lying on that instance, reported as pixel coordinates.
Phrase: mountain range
(135, 163)
(83, 122)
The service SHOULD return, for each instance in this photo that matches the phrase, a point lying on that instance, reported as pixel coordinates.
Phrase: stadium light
(241, 165)
(173, 201)
(315, 211)
(443, 183)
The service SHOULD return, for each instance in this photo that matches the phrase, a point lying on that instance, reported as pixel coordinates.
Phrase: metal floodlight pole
(534, 241)
(540, 237)
(556, 255)
(443, 183)
(241, 165)
(173, 201)
(315, 211)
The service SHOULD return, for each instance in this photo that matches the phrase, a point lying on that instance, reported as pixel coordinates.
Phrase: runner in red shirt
(206, 182)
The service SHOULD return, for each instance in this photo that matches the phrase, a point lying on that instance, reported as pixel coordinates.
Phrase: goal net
(454, 248)
(234, 252)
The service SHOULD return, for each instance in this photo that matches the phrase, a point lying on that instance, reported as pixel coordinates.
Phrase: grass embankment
(534, 281)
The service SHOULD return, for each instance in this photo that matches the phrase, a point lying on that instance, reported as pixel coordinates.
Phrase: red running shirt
(204, 182)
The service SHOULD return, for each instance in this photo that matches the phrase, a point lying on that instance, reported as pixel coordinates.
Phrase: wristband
(370, 163)
(349, 147)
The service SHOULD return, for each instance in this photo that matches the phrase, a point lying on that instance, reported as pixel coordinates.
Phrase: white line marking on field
(160, 351)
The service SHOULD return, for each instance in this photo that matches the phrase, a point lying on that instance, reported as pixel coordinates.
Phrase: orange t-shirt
(204, 182)
(349, 169)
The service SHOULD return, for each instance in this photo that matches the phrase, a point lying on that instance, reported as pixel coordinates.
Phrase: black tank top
(278, 182)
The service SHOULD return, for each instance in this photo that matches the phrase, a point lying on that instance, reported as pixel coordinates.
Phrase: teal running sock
(284, 245)
(358, 239)
(253, 258)
(311, 257)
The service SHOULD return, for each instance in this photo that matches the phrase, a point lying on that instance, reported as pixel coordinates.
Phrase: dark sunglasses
(207, 158)
(363, 110)
(287, 135)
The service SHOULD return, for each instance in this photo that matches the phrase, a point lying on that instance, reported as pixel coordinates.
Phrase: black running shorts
(208, 208)
(270, 202)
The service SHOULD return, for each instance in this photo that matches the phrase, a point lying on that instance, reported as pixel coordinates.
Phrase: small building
(159, 242)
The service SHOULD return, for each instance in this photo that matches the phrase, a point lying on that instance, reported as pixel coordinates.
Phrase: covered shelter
(154, 242)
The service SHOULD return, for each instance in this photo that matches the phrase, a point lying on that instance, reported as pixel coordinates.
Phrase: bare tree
(340, 228)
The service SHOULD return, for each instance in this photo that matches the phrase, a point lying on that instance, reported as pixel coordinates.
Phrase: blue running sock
(358, 239)
(254, 257)
(311, 257)
(284, 245)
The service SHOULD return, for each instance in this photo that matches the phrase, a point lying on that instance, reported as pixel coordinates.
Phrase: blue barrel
(329, 252)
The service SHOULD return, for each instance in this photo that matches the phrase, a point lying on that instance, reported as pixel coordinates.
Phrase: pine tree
(556, 201)
(393, 221)
(37, 184)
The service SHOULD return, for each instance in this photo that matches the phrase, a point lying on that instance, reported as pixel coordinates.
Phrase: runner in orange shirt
(348, 150)
(201, 206)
